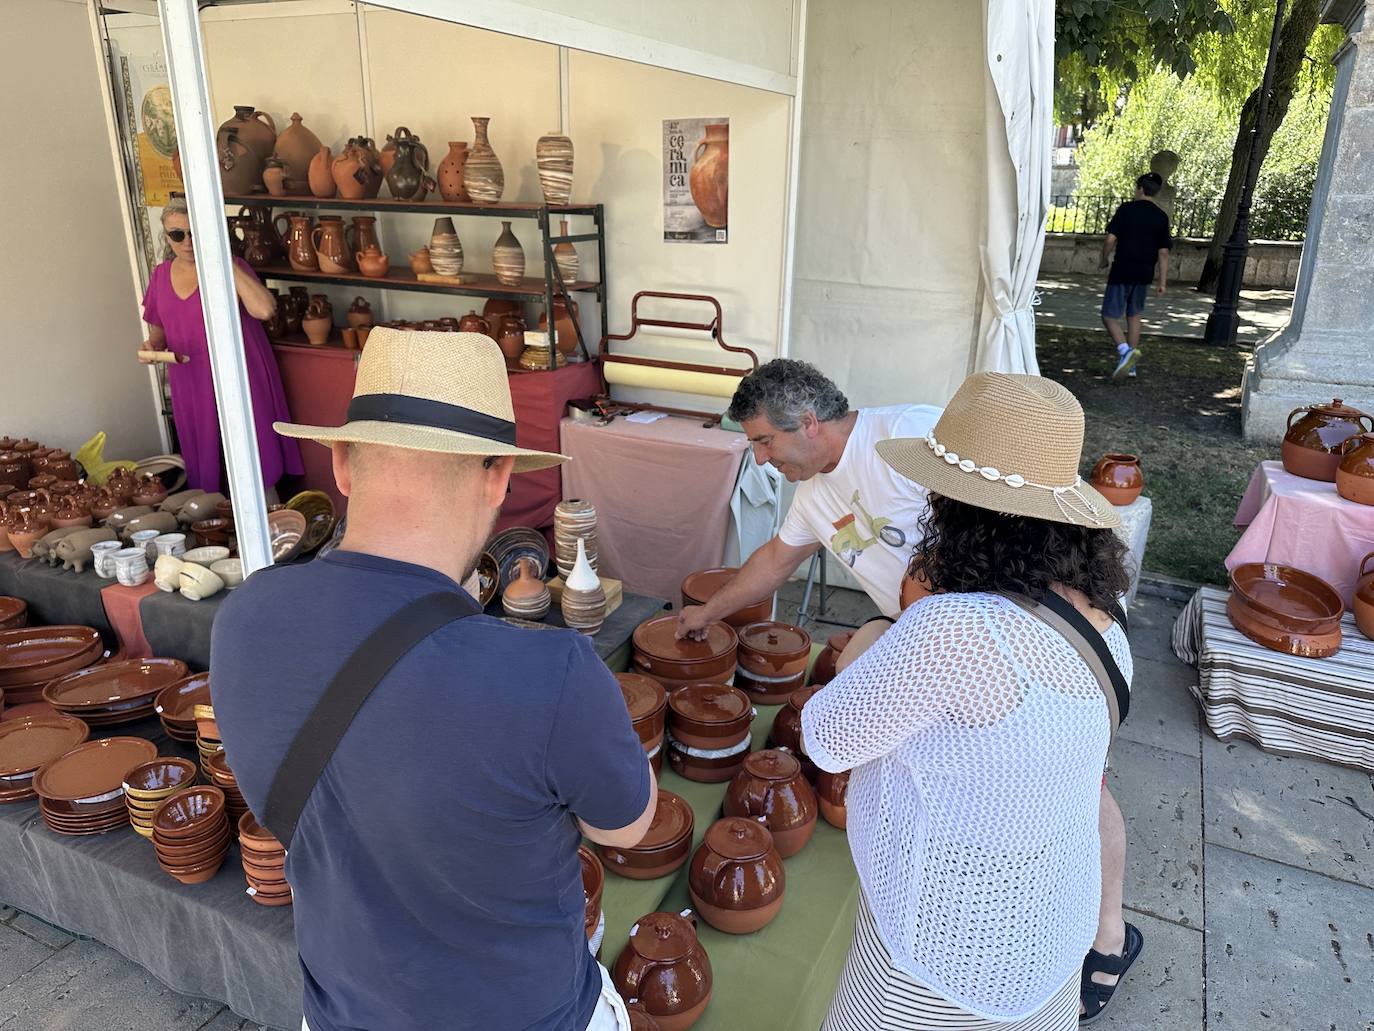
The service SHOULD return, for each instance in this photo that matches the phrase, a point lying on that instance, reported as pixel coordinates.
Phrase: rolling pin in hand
(163, 357)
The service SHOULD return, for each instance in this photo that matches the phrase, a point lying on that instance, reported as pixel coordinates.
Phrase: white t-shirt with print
(867, 514)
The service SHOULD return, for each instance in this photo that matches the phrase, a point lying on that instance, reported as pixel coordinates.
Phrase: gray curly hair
(784, 390)
(175, 206)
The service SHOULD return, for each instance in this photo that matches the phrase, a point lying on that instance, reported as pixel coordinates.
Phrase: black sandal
(1096, 996)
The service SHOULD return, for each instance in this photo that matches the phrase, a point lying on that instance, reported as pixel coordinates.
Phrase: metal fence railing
(1090, 213)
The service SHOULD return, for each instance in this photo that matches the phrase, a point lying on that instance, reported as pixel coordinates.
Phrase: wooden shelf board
(404, 279)
(512, 209)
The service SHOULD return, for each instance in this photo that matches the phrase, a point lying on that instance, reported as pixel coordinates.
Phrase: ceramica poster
(149, 101)
(696, 180)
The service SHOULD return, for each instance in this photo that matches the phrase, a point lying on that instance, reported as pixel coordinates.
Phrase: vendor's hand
(692, 622)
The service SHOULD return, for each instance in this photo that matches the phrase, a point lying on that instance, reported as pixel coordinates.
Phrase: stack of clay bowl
(736, 880)
(593, 882)
(787, 730)
(1285, 609)
(574, 519)
(264, 863)
(664, 966)
(700, 587)
(14, 613)
(217, 767)
(708, 731)
(771, 786)
(113, 692)
(31, 656)
(772, 660)
(30, 742)
(82, 791)
(191, 834)
(832, 795)
(664, 847)
(659, 654)
(208, 741)
(176, 703)
(150, 784)
(647, 703)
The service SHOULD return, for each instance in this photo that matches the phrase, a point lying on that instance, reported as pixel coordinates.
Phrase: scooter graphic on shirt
(849, 541)
(881, 527)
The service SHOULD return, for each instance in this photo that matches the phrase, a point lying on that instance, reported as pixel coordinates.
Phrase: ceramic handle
(1364, 562)
(1370, 420)
(270, 124)
(713, 865)
(315, 238)
(696, 154)
(1295, 411)
(283, 233)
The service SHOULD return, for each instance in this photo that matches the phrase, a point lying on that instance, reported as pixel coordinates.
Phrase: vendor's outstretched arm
(766, 571)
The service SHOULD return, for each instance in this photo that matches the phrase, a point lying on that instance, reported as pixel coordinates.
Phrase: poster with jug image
(696, 180)
(148, 100)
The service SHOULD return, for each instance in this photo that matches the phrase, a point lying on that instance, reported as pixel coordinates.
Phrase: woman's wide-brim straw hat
(1007, 443)
(442, 392)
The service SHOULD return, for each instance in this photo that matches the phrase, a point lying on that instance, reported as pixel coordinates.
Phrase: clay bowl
(206, 556)
(772, 660)
(176, 703)
(786, 731)
(254, 837)
(1255, 627)
(832, 790)
(700, 587)
(736, 879)
(149, 784)
(286, 529)
(189, 814)
(195, 852)
(1287, 598)
(709, 716)
(647, 703)
(264, 867)
(658, 653)
(715, 768)
(30, 742)
(665, 846)
(195, 874)
(212, 533)
(771, 785)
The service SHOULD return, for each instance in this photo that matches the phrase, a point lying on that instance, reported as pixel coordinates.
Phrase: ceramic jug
(709, 179)
(510, 336)
(365, 233)
(300, 250)
(318, 322)
(1312, 444)
(262, 218)
(274, 176)
(320, 175)
(736, 878)
(1118, 478)
(359, 313)
(1355, 474)
(664, 966)
(331, 246)
(240, 169)
(297, 147)
(771, 785)
(406, 178)
(256, 251)
(474, 323)
(255, 128)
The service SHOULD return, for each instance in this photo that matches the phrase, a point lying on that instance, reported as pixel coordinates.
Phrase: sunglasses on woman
(178, 235)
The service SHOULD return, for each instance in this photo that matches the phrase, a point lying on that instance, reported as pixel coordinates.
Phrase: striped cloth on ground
(873, 995)
(1313, 708)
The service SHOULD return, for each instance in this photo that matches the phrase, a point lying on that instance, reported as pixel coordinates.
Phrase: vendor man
(434, 859)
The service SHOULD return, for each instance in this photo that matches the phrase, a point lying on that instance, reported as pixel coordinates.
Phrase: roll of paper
(703, 384)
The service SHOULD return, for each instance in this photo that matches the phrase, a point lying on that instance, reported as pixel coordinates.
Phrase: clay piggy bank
(199, 508)
(44, 548)
(74, 550)
(120, 517)
(174, 503)
(162, 522)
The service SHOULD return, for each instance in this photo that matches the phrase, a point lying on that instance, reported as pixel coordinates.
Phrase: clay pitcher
(371, 167)
(331, 246)
(510, 336)
(297, 146)
(474, 323)
(318, 323)
(255, 128)
(450, 172)
(262, 218)
(564, 324)
(321, 176)
(256, 251)
(365, 233)
(406, 178)
(240, 170)
(300, 249)
(710, 176)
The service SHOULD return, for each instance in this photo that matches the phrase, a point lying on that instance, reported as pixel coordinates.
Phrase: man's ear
(496, 474)
(343, 472)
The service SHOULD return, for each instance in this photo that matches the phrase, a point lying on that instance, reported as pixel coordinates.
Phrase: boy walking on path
(1139, 234)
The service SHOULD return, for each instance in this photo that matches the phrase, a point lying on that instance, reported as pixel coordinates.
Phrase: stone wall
(1271, 265)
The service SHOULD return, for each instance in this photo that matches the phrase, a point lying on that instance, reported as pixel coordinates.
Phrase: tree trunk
(1294, 39)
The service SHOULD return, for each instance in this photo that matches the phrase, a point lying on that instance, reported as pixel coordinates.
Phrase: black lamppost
(1225, 317)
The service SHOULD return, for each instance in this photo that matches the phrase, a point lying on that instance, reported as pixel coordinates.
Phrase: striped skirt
(873, 995)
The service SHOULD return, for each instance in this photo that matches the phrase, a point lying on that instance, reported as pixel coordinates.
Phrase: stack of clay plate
(176, 703)
(217, 766)
(30, 742)
(207, 736)
(14, 612)
(264, 863)
(82, 791)
(1285, 609)
(113, 692)
(772, 660)
(708, 731)
(664, 847)
(659, 654)
(150, 784)
(700, 587)
(647, 703)
(509, 546)
(191, 834)
(573, 519)
(31, 656)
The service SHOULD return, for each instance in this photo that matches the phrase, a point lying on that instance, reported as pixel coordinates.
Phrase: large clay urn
(1355, 474)
(321, 175)
(1312, 445)
(1364, 597)
(483, 177)
(564, 323)
(240, 169)
(664, 966)
(1118, 478)
(255, 128)
(297, 147)
(450, 172)
(300, 249)
(331, 247)
(709, 179)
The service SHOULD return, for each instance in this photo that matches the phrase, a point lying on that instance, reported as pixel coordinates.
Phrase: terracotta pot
(832, 792)
(665, 845)
(1118, 478)
(60, 464)
(1355, 474)
(321, 175)
(474, 323)
(659, 654)
(564, 324)
(553, 155)
(736, 879)
(1312, 445)
(511, 336)
(713, 766)
(786, 731)
(331, 246)
(450, 172)
(372, 263)
(640, 1020)
(405, 173)
(824, 670)
(365, 232)
(771, 785)
(274, 176)
(255, 128)
(359, 313)
(709, 179)
(1285, 609)
(700, 587)
(497, 308)
(15, 469)
(300, 248)
(297, 147)
(240, 169)
(709, 716)
(1364, 597)
(593, 881)
(484, 180)
(664, 966)
(25, 531)
(508, 258)
(357, 171)
(772, 660)
(647, 704)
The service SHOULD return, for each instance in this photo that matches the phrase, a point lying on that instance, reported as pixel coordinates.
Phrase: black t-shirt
(1142, 230)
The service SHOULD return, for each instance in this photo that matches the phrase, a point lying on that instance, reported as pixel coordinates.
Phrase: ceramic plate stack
(113, 692)
(509, 546)
(31, 656)
(191, 834)
(30, 742)
(150, 784)
(82, 791)
(264, 863)
(573, 519)
(207, 735)
(14, 613)
(445, 249)
(217, 766)
(176, 703)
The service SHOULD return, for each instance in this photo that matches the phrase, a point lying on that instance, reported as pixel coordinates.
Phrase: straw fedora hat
(1007, 443)
(445, 392)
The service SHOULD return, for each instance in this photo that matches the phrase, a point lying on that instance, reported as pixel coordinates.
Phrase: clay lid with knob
(710, 703)
(663, 937)
(772, 764)
(657, 638)
(739, 839)
(1325, 426)
(776, 640)
(673, 820)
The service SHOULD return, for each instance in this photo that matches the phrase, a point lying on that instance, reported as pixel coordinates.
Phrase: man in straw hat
(432, 768)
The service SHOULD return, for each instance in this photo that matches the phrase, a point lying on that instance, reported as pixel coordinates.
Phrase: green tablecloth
(783, 976)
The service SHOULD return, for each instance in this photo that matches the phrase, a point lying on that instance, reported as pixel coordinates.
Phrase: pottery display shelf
(529, 288)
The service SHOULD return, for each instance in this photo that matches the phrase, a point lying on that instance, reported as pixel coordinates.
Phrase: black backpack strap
(327, 723)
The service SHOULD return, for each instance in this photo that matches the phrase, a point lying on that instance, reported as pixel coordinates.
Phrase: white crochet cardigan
(977, 736)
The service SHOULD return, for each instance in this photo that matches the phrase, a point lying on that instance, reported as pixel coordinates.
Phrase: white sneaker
(1126, 366)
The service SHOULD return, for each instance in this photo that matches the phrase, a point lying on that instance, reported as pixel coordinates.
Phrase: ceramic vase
(554, 156)
(297, 147)
(709, 178)
(450, 172)
(574, 524)
(584, 602)
(445, 249)
(527, 596)
(321, 175)
(507, 258)
(565, 256)
(483, 178)
(274, 176)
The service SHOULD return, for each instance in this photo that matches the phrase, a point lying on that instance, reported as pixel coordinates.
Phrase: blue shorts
(1124, 299)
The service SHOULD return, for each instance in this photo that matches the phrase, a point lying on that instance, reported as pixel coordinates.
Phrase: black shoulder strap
(362, 671)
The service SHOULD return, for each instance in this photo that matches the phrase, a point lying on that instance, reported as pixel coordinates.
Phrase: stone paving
(1250, 875)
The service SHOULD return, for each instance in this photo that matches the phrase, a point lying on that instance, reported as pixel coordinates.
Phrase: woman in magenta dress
(171, 308)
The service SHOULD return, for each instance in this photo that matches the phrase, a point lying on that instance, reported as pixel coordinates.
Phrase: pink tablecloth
(662, 495)
(1303, 523)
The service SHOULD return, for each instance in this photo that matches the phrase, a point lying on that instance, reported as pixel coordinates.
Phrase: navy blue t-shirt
(435, 867)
